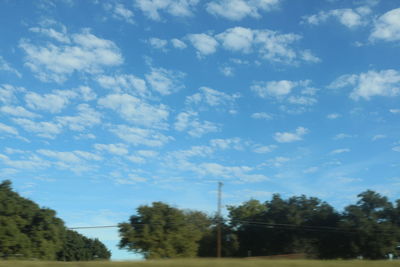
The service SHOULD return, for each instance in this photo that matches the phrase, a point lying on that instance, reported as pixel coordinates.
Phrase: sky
(108, 105)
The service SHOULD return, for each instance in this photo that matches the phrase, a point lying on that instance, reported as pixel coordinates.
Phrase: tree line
(370, 228)
(28, 231)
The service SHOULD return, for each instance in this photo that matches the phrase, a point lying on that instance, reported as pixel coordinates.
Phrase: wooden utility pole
(219, 218)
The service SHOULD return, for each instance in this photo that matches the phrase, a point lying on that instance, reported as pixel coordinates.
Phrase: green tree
(162, 231)
(374, 233)
(28, 231)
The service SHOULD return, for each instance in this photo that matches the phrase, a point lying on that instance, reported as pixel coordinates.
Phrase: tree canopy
(299, 224)
(28, 231)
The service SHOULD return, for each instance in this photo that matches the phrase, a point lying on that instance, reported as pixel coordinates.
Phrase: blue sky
(108, 105)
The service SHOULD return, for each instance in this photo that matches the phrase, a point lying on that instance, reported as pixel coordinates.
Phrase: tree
(28, 231)
(162, 231)
(374, 233)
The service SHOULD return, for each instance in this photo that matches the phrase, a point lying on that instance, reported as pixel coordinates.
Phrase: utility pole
(219, 219)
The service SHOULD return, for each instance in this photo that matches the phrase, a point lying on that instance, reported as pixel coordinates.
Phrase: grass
(207, 263)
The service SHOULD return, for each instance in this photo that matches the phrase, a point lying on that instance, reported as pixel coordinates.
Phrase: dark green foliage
(80, 248)
(162, 231)
(30, 232)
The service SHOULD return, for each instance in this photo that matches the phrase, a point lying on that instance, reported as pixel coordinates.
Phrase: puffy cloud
(158, 43)
(288, 137)
(387, 26)
(264, 149)
(333, 116)
(82, 52)
(5, 66)
(8, 129)
(119, 12)
(28, 162)
(239, 9)
(371, 83)
(212, 98)
(277, 161)
(350, 18)
(342, 136)
(229, 143)
(204, 43)
(17, 111)
(282, 90)
(237, 39)
(164, 81)
(86, 117)
(53, 103)
(43, 128)
(262, 115)
(394, 111)
(178, 44)
(7, 93)
(273, 88)
(139, 136)
(124, 83)
(116, 149)
(396, 148)
(189, 121)
(136, 110)
(340, 151)
(378, 136)
(178, 8)
(227, 71)
(86, 93)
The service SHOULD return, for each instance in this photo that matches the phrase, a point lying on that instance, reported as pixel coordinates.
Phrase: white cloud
(239, 9)
(302, 100)
(268, 44)
(178, 8)
(262, 115)
(342, 136)
(5, 66)
(116, 149)
(82, 52)
(7, 93)
(126, 83)
(28, 162)
(288, 137)
(371, 83)
(277, 161)
(165, 81)
(42, 128)
(76, 161)
(282, 91)
(387, 26)
(136, 110)
(178, 44)
(86, 117)
(333, 116)
(189, 121)
(229, 143)
(264, 149)
(213, 98)
(53, 103)
(339, 151)
(204, 44)
(227, 71)
(396, 148)
(350, 18)
(311, 170)
(86, 93)
(273, 88)
(158, 43)
(378, 136)
(131, 179)
(394, 111)
(119, 12)
(237, 39)
(8, 129)
(139, 136)
(17, 111)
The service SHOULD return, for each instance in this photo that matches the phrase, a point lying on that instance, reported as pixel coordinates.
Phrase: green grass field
(206, 263)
